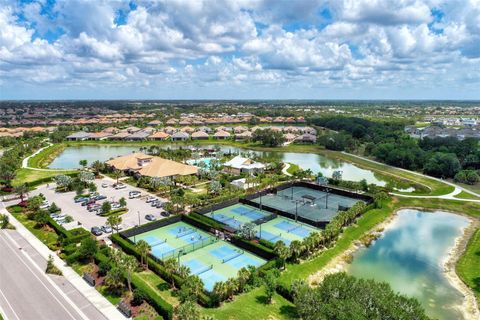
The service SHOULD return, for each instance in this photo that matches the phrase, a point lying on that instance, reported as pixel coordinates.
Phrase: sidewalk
(92, 295)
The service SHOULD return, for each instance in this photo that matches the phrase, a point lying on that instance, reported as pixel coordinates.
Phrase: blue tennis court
(283, 229)
(212, 260)
(238, 214)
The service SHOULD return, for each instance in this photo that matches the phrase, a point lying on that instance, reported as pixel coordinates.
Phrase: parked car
(150, 199)
(159, 204)
(115, 205)
(94, 207)
(104, 185)
(120, 186)
(150, 217)
(117, 228)
(134, 195)
(154, 203)
(165, 214)
(107, 229)
(96, 231)
(86, 203)
(45, 205)
(81, 199)
(100, 197)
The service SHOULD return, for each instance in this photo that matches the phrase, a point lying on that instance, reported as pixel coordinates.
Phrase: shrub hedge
(161, 306)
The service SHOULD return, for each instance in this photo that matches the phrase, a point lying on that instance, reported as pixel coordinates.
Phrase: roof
(240, 162)
(160, 134)
(158, 167)
(79, 135)
(139, 135)
(180, 134)
(221, 133)
(200, 134)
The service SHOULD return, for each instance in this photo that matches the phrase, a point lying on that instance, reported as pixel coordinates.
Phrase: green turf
(253, 306)
(46, 235)
(46, 156)
(158, 285)
(30, 176)
(468, 267)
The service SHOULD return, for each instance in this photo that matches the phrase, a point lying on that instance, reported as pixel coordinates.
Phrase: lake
(410, 256)
(70, 157)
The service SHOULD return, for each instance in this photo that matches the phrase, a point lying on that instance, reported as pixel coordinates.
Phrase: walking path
(25, 161)
(285, 168)
(450, 196)
(92, 295)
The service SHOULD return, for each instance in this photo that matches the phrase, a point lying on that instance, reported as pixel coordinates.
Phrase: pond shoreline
(469, 308)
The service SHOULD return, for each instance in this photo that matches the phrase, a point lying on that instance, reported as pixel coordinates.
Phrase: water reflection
(409, 256)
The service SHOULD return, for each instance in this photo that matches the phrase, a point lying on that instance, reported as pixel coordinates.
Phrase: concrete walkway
(451, 196)
(285, 168)
(92, 295)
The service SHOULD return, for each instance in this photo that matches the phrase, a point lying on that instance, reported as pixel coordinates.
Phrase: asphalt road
(26, 292)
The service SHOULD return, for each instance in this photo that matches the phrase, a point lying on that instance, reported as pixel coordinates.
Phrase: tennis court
(283, 229)
(308, 203)
(238, 214)
(210, 259)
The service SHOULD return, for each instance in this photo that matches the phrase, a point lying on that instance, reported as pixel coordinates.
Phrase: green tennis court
(211, 259)
(237, 215)
(283, 229)
(308, 203)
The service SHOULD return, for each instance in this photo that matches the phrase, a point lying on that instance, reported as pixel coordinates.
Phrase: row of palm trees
(318, 240)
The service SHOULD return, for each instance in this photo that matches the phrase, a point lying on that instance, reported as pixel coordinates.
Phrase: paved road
(26, 292)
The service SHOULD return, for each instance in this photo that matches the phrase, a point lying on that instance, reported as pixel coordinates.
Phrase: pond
(410, 256)
(70, 157)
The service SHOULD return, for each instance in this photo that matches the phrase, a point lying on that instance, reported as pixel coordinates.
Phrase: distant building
(240, 164)
(78, 136)
(141, 164)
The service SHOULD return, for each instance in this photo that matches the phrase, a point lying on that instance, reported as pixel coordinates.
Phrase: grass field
(29, 175)
(468, 267)
(466, 195)
(252, 306)
(293, 168)
(157, 284)
(48, 237)
(46, 156)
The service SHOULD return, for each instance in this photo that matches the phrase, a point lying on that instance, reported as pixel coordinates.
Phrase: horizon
(234, 50)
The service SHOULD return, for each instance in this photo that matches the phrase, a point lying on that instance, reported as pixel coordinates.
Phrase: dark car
(88, 202)
(150, 217)
(100, 197)
(96, 231)
(81, 199)
(165, 214)
(159, 205)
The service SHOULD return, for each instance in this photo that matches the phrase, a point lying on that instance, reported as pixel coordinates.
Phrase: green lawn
(46, 156)
(252, 306)
(468, 267)
(29, 176)
(466, 195)
(293, 168)
(113, 298)
(157, 284)
(49, 238)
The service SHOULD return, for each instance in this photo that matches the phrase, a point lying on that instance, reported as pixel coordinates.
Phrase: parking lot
(137, 208)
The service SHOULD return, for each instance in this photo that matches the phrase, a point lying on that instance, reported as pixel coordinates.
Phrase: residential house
(221, 135)
(78, 136)
(306, 138)
(246, 135)
(180, 136)
(159, 136)
(240, 164)
(200, 135)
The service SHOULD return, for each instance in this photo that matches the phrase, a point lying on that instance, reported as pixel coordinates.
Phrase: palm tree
(128, 264)
(144, 248)
(219, 291)
(282, 251)
(231, 287)
(97, 166)
(243, 275)
(171, 267)
(117, 174)
(195, 284)
(183, 271)
(295, 249)
(114, 221)
(21, 191)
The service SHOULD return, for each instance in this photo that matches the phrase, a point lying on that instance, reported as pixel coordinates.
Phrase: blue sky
(243, 49)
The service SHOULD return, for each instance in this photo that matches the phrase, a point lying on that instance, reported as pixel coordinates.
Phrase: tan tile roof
(158, 167)
(160, 134)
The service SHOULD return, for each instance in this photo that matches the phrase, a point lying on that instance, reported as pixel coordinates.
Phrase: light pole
(179, 253)
(326, 199)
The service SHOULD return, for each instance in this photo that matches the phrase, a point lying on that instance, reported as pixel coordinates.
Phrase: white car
(104, 185)
(120, 186)
(151, 199)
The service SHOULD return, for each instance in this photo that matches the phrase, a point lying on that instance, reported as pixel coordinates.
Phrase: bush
(138, 297)
(161, 306)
